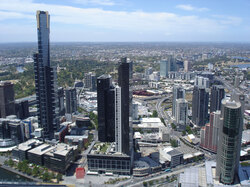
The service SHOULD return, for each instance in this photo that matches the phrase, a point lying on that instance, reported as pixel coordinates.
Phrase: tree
(58, 177)
(173, 143)
(173, 126)
(183, 133)
(35, 171)
(46, 176)
(155, 114)
(10, 162)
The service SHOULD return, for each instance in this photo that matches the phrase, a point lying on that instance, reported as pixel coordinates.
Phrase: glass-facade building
(229, 142)
(45, 80)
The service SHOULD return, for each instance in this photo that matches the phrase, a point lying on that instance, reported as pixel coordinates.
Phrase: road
(139, 181)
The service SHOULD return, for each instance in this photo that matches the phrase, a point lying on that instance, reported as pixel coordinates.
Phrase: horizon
(127, 21)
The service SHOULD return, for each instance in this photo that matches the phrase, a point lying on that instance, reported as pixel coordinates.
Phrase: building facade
(71, 100)
(178, 93)
(200, 106)
(106, 109)
(45, 80)
(7, 99)
(229, 147)
(181, 114)
(217, 94)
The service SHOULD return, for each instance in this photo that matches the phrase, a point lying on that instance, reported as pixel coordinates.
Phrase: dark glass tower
(71, 100)
(200, 106)
(45, 79)
(229, 144)
(217, 94)
(7, 99)
(123, 82)
(106, 109)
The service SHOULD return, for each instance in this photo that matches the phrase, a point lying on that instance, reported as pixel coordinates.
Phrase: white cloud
(191, 8)
(113, 23)
(95, 2)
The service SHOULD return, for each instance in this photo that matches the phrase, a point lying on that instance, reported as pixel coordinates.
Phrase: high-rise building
(7, 99)
(186, 66)
(45, 79)
(181, 114)
(164, 68)
(178, 93)
(22, 109)
(209, 138)
(228, 153)
(71, 100)
(106, 109)
(90, 81)
(118, 120)
(200, 105)
(201, 81)
(217, 94)
(60, 94)
(123, 82)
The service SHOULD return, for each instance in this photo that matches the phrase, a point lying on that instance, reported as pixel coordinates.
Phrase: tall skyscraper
(123, 82)
(45, 79)
(7, 99)
(61, 106)
(200, 105)
(164, 68)
(209, 139)
(178, 93)
(22, 109)
(90, 81)
(181, 114)
(228, 153)
(217, 94)
(71, 100)
(118, 120)
(106, 109)
(186, 66)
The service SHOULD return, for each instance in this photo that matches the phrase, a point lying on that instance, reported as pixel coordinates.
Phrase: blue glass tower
(45, 79)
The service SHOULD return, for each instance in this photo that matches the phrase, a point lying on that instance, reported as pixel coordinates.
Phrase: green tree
(35, 171)
(173, 143)
(183, 133)
(145, 183)
(10, 162)
(46, 176)
(155, 114)
(58, 177)
(173, 126)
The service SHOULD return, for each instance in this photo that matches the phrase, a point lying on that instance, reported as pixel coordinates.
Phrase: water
(20, 69)
(242, 66)
(9, 176)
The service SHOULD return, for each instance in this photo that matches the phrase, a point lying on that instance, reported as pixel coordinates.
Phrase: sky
(128, 20)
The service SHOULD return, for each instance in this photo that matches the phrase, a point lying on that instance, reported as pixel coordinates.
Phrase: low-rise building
(173, 156)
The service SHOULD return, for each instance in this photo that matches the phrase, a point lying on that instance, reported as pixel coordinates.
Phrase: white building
(181, 113)
(201, 81)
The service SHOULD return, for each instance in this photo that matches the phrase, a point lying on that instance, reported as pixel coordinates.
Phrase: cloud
(95, 2)
(115, 24)
(191, 8)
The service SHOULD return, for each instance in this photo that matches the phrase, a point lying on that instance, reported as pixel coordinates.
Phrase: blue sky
(128, 20)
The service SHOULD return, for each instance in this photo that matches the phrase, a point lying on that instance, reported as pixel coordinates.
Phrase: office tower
(200, 105)
(11, 132)
(209, 139)
(186, 66)
(236, 81)
(228, 153)
(123, 82)
(22, 109)
(217, 94)
(131, 69)
(181, 114)
(148, 71)
(164, 68)
(90, 81)
(45, 79)
(201, 81)
(71, 100)
(106, 109)
(118, 120)
(178, 92)
(7, 99)
(60, 94)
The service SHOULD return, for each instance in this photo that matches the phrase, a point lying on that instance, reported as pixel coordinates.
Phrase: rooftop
(42, 149)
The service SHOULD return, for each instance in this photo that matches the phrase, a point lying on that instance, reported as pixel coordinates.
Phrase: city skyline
(123, 20)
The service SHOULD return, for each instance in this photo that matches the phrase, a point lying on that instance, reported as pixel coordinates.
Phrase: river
(9, 176)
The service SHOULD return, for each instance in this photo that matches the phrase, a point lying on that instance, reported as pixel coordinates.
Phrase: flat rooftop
(42, 149)
(28, 144)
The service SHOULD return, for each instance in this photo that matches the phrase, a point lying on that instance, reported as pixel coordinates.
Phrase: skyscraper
(181, 114)
(71, 100)
(228, 153)
(7, 99)
(201, 81)
(60, 94)
(118, 120)
(178, 92)
(200, 105)
(106, 109)
(90, 81)
(164, 68)
(123, 82)
(217, 94)
(45, 79)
